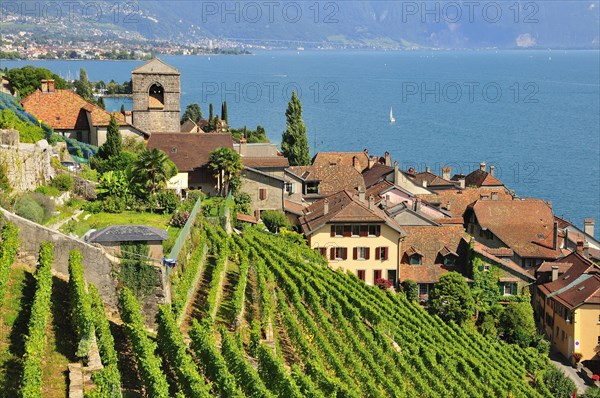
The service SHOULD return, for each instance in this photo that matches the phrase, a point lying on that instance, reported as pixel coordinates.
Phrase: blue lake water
(535, 115)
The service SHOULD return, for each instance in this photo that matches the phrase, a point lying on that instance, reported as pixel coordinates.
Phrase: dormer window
(450, 260)
(312, 187)
(416, 259)
(173, 150)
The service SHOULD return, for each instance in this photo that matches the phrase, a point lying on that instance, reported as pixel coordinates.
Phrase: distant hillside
(380, 24)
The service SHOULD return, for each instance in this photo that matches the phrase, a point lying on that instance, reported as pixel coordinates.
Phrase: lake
(535, 115)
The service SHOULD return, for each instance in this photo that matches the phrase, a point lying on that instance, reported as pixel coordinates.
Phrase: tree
(485, 288)
(193, 112)
(152, 170)
(227, 165)
(294, 142)
(224, 112)
(114, 142)
(274, 220)
(123, 108)
(101, 103)
(451, 298)
(517, 325)
(27, 79)
(558, 383)
(83, 86)
(210, 112)
(411, 290)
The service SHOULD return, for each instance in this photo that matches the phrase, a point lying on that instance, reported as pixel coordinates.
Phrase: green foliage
(136, 273)
(517, 324)
(255, 336)
(242, 203)
(114, 204)
(193, 112)
(35, 207)
(292, 236)
(411, 290)
(149, 365)
(114, 141)
(451, 298)
(28, 132)
(151, 171)
(4, 183)
(81, 307)
(62, 182)
(171, 343)
(485, 289)
(488, 326)
(211, 361)
(9, 245)
(50, 191)
(274, 220)
(108, 380)
(114, 183)
(294, 141)
(226, 165)
(167, 200)
(27, 79)
(224, 111)
(35, 342)
(592, 392)
(273, 373)
(559, 385)
(83, 86)
(101, 103)
(251, 136)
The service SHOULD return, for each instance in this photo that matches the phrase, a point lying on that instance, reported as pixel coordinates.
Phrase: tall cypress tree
(114, 143)
(224, 112)
(294, 142)
(101, 102)
(210, 112)
(123, 108)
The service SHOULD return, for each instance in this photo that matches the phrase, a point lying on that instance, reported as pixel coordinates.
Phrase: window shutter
(344, 253)
(332, 231)
(347, 231)
(364, 230)
(332, 253)
(355, 253)
(385, 251)
(378, 230)
(377, 253)
(367, 253)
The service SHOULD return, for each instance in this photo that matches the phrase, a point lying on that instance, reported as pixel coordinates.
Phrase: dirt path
(74, 217)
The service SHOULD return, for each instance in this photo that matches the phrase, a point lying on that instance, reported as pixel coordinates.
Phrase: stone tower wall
(156, 120)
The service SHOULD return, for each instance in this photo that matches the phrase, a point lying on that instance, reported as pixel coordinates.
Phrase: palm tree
(227, 165)
(152, 170)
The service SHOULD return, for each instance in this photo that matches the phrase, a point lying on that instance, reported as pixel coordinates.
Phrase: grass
(102, 219)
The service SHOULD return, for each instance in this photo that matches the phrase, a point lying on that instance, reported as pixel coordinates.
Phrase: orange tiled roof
(503, 262)
(433, 180)
(66, 110)
(579, 266)
(341, 158)
(460, 199)
(332, 178)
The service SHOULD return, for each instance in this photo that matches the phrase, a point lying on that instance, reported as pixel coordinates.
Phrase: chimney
(554, 272)
(356, 164)
(461, 182)
(424, 183)
(579, 248)
(396, 173)
(446, 172)
(243, 144)
(325, 206)
(482, 166)
(586, 249)
(388, 159)
(492, 170)
(371, 202)
(494, 195)
(48, 85)
(555, 236)
(448, 204)
(427, 169)
(588, 226)
(417, 204)
(361, 194)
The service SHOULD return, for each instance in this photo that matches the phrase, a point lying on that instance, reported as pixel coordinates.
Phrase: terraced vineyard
(270, 319)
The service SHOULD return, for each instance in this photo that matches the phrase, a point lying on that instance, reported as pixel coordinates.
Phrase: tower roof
(157, 67)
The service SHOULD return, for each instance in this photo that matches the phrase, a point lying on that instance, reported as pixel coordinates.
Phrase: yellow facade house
(354, 235)
(568, 307)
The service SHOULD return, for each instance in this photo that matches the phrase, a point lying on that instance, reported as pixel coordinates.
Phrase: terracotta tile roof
(433, 180)
(526, 226)
(189, 151)
(66, 110)
(344, 207)
(432, 242)
(246, 218)
(546, 266)
(293, 207)
(341, 158)
(502, 262)
(270, 161)
(156, 66)
(480, 178)
(332, 178)
(460, 199)
(579, 266)
(188, 126)
(585, 290)
(500, 251)
(376, 174)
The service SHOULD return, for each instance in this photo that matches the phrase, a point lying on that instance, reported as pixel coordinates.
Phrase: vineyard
(257, 315)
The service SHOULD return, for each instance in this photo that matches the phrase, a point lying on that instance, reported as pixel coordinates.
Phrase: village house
(191, 153)
(72, 116)
(568, 307)
(479, 178)
(355, 235)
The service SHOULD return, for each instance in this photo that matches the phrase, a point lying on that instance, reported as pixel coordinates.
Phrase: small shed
(112, 237)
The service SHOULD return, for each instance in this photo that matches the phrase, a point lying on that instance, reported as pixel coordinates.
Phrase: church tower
(156, 91)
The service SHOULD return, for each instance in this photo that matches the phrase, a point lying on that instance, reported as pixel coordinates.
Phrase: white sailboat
(392, 119)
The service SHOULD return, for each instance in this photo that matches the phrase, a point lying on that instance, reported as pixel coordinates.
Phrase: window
(423, 289)
(598, 340)
(486, 267)
(361, 253)
(376, 275)
(415, 259)
(173, 150)
(288, 187)
(562, 335)
(361, 273)
(381, 253)
(598, 318)
(156, 96)
(391, 276)
(339, 230)
(347, 231)
(374, 230)
(323, 251)
(356, 230)
(312, 187)
(262, 193)
(450, 261)
(510, 289)
(338, 253)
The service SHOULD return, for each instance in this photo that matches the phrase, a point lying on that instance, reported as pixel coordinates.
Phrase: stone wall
(252, 182)
(27, 165)
(165, 120)
(99, 267)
